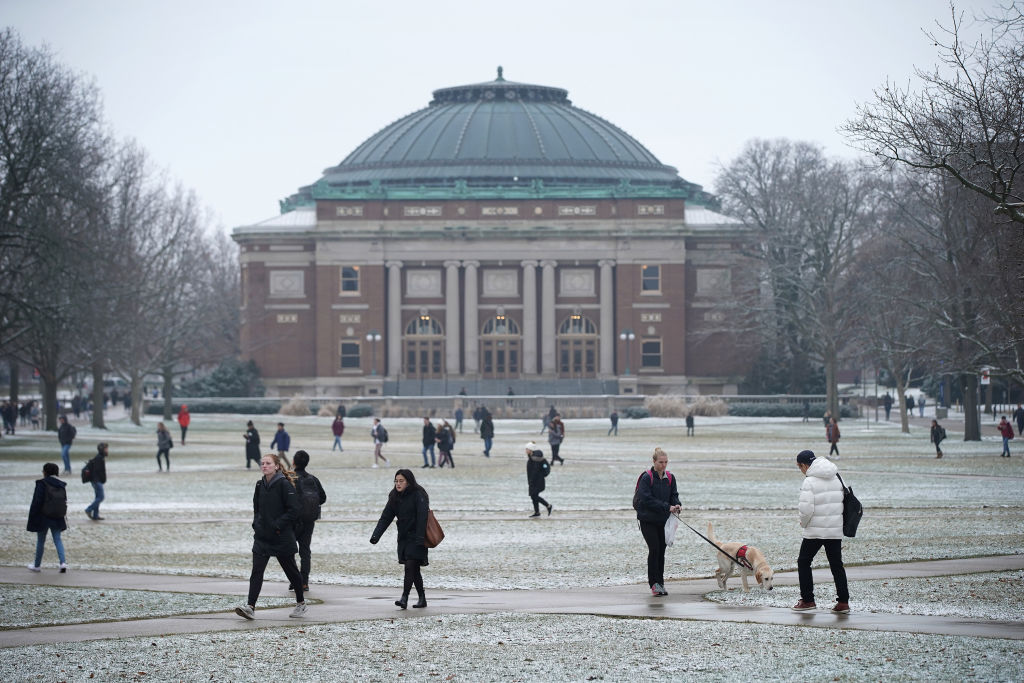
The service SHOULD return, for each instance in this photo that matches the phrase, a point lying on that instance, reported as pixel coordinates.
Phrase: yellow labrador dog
(761, 571)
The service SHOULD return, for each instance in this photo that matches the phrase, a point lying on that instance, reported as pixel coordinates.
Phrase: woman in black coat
(656, 498)
(39, 522)
(410, 504)
(537, 469)
(275, 509)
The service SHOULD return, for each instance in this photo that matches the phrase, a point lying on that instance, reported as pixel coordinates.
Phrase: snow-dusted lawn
(524, 647)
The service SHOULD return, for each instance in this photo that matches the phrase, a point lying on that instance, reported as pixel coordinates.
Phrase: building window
(350, 279)
(650, 353)
(650, 279)
(350, 355)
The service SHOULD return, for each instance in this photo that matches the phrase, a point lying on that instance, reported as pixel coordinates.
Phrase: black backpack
(55, 501)
(87, 472)
(852, 510)
(309, 498)
(382, 434)
(545, 468)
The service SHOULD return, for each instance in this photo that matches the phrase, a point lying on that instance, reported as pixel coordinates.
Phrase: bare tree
(964, 117)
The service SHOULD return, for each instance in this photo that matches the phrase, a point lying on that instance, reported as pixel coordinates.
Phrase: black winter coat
(487, 428)
(410, 507)
(37, 521)
(275, 509)
(535, 466)
(252, 443)
(656, 495)
(99, 468)
(429, 434)
(65, 434)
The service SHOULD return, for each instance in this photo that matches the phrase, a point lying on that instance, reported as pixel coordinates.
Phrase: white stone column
(607, 329)
(472, 319)
(529, 317)
(394, 317)
(547, 318)
(453, 349)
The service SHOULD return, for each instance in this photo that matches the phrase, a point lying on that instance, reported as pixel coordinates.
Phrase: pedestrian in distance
(338, 428)
(311, 498)
(826, 418)
(910, 405)
(656, 496)
(487, 432)
(252, 445)
(409, 503)
(33, 413)
(689, 424)
(550, 415)
(887, 403)
(445, 444)
(46, 513)
(459, 414)
(66, 434)
(429, 442)
(380, 436)
(920, 406)
(97, 477)
(821, 517)
(1018, 416)
(614, 419)
(275, 510)
(537, 470)
(807, 410)
(1006, 431)
(164, 444)
(282, 441)
(341, 410)
(478, 415)
(936, 436)
(556, 435)
(184, 420)
(832, 436)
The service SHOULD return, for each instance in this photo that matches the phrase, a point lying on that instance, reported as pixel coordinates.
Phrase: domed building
(498, 238)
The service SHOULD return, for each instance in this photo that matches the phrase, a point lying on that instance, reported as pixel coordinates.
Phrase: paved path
(346, 603)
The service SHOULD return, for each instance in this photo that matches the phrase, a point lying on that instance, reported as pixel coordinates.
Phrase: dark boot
(422, 602)
(403, 602)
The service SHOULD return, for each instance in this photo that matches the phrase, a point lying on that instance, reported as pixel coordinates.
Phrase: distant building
(498, 237)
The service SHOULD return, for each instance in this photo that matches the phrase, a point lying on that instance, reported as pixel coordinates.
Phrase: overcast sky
(246, 101)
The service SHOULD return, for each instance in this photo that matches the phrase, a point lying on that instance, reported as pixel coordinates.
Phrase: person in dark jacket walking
(409, 503)
(429, 442)
(306, 485)
(937, 435)
(40, 522)
(275, 509)
(98, 467)
(338, 428)
(537, 468)
(66, 433)
(556, 434)
(252, 445)
(164, 444)
(445, 444)
(487, 433)
(614, 419)
(657, 497)
(283, 441)
(832, 436)
(689, 424)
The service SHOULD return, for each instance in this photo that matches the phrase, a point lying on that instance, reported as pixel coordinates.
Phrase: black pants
(537, 502)
(834, 449)
(413, 577)
(167, 457)
(183, 431)
(834, 552)
(259, 566)
(254, 457)
(554, 452)
(654, 534)
(304, 535)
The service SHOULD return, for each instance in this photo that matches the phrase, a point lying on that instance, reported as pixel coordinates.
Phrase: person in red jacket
(337, 428)
(184, 419)
(832, 434)
(1006, 429)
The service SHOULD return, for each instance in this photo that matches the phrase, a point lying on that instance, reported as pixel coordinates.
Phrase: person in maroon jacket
(338, 428)
(832, 435)
(1006, 429)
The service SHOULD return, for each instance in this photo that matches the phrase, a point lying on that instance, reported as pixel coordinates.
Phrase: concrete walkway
(333, 604)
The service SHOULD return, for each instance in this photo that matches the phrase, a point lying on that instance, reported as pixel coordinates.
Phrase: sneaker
(658, 590)
(535, 514)
(376, 465)
(549, 509)
(33, 568)
(97, 518)
(803, 606)
(299, 611)
(841, 608)
(246, 612)
(63, 567)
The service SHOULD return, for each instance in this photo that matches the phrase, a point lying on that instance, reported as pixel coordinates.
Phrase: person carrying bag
(655, 499)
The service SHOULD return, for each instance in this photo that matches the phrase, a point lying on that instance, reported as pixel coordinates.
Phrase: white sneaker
(376, 465)
(63, 567)
(299, 611)
(246, 612)
(33, 568)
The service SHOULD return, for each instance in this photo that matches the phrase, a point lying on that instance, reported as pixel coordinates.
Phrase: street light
(373, 337)
(627, 336)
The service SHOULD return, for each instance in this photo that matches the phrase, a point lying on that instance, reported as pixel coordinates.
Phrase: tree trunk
(831, 386)
(168, 392)
(947, 391)
(15, 369)
(988, 396)
(972, 422)
(97, 396)
(901, 394)
(49, 383)
(136, 399)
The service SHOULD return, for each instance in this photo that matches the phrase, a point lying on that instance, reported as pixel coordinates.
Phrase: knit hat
(805, 457)
(531, 446)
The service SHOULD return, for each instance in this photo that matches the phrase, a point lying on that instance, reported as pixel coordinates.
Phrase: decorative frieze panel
(349, 211)
(346, 318)
(714, 316)
(650, 317)
(588, 210)
(422, 283)
(650, 210)
(287, 284)
(577, 282)
(421, 211)
(500, 283)
(287, 318)
(714, 281)
(499, 211)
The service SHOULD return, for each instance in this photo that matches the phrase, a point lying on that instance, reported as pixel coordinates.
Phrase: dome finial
(500, 72)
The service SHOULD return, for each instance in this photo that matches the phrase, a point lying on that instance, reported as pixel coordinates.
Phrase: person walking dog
(821, 516)
(655, 498)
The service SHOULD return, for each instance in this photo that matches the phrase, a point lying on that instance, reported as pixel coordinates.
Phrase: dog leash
(742, 563)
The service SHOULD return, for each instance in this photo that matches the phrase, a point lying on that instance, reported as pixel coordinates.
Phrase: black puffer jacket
(37, 521)
(410, 507)
(275, 508)
(656, 494)
(535, 468)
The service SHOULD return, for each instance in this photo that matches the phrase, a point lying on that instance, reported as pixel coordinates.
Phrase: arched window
(577, 347)
(424, 347)
(500, 348)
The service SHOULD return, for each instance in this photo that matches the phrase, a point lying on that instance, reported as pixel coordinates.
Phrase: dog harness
(741, 555)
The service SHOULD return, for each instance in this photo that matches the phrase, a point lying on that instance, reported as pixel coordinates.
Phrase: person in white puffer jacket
(821, 516)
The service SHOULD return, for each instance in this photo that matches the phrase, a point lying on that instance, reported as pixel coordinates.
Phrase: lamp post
(373, 337)
(627, 336)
